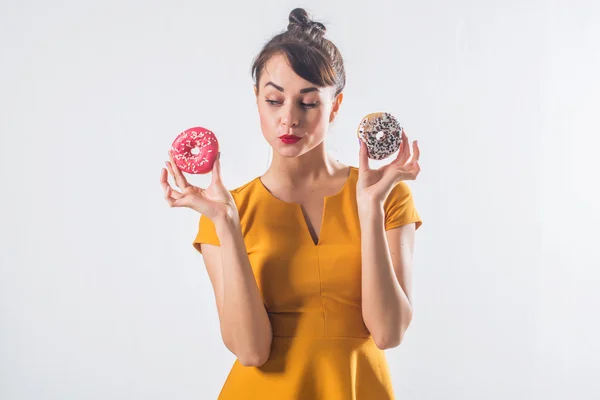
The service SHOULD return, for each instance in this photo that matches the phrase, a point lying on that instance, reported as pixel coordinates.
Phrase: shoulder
(246, 194)
(399, 194)
(400, 207)
(400, 191)
(241, 196)
(244, 189)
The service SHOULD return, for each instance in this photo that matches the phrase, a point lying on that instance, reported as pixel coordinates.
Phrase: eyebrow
(305, 90)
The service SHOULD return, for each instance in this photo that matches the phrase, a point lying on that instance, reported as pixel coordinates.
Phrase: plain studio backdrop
(102, 295)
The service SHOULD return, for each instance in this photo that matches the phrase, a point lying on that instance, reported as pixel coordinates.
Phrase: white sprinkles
(195, 138)
(389, 143)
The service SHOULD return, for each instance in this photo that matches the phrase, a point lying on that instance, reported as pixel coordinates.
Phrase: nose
(289, 117)
(285, 122)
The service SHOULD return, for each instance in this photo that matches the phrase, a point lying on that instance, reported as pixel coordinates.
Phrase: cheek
(266, 121)
(262, 114)
(320, 119)
(266, 112)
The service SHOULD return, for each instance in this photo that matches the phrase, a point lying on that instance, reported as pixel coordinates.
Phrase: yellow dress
(321, 347)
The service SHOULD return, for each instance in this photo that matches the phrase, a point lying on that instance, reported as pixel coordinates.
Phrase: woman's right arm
(245, 326)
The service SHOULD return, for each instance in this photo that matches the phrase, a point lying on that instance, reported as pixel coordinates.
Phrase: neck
(303, 171)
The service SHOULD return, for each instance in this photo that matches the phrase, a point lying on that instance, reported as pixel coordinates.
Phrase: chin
(290, 153)
(287, 150)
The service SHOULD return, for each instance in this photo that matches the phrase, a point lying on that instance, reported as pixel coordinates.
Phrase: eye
(273, 102)
(276, 103)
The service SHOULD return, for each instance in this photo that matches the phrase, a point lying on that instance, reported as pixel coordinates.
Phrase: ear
(336, 106)
(255, 90)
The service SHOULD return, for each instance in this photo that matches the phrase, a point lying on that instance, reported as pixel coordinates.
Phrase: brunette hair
(310, 55)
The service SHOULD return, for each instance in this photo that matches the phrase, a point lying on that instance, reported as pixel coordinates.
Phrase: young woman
(311, 262)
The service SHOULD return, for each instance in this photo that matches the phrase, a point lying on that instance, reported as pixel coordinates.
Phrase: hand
(374, 186)
(215, 201)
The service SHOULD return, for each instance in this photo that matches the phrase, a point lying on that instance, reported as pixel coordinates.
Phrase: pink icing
(195, 138)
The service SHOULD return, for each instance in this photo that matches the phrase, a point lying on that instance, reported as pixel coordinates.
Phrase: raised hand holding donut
(374, 186)
(215, 201)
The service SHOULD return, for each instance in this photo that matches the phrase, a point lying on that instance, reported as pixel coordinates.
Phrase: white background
(102, 295)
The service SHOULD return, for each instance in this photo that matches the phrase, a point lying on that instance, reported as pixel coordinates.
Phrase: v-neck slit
(298, 207)
(306, 221)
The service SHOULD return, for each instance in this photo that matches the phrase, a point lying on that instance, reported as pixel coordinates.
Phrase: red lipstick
(289, 139)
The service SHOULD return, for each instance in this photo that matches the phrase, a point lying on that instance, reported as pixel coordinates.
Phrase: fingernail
(219, 156)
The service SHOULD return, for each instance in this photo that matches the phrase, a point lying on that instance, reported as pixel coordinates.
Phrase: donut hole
(380, 135)
(195, 151)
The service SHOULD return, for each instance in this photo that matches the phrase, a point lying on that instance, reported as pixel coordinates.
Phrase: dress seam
(321, 293)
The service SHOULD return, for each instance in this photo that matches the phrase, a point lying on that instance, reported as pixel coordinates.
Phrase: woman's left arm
(386, 256)
(386, 278)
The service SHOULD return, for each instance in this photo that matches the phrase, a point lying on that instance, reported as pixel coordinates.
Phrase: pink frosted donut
(195, 150)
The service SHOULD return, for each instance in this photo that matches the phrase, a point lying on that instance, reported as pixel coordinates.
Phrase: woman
(311, 262)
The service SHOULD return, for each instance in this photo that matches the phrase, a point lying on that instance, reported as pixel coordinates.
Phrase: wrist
(371, 212)
(226, 222)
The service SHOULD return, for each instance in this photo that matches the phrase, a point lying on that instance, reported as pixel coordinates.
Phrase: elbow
(384, 342)
(251, 357)
(250, 353)
(254, 359)
(388, 333)
(389, 338)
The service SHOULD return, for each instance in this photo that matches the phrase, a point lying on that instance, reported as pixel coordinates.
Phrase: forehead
(278, 70)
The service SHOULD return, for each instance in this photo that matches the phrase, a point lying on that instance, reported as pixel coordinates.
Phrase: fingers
(416, 152)
(174, 170)
(401, 151)
(407, 170)
(412, 169)
(414, 163)
(170, 168)
(216, 170)
(363, 156)
(404, 153)
(170, 195)
(163, 177)
(180, 180)
(164, 181)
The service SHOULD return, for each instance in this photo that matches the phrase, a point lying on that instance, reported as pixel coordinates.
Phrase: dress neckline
(298, 208)
(344, 186)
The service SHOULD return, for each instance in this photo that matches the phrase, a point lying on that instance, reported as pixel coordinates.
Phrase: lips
(289, 138)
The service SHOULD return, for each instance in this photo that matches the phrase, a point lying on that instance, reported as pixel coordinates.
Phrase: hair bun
(299, 19)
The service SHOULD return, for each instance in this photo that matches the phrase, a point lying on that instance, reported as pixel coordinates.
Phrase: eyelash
(275, 103)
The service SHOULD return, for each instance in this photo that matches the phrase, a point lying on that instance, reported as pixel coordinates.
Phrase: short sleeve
(400, 208)
(206, 233)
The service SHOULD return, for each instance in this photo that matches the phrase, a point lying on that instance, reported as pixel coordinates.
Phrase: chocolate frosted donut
(382, 133)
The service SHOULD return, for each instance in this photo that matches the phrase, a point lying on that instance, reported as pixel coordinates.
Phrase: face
(291, 105)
